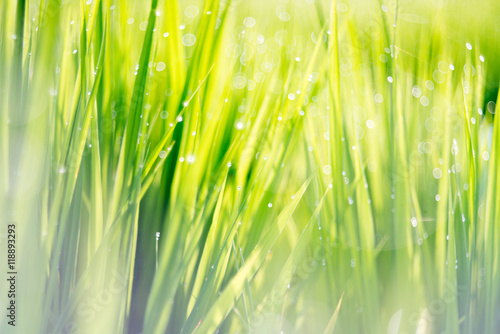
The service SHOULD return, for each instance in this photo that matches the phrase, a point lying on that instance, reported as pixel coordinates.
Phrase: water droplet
(270, 205)
(61, 169)
(249, 22)
(143, 26)
(437, 173)
(160, 66)
(130, 20)
(188, 39)
(437, 197)
(414, 222)
(327, 169)
(468, 46)
(239, 81)
(424, 101)
(191, 11)
(416, 91)
(491, 107)
(486, 155)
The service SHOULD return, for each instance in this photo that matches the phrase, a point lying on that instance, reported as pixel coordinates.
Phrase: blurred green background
(290, 166)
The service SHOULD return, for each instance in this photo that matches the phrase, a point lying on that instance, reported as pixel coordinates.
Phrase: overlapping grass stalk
(311, 166)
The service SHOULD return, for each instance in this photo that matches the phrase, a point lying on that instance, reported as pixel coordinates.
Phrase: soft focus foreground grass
(311, 166)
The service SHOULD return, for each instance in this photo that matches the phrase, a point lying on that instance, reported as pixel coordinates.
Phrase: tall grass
(251, 167)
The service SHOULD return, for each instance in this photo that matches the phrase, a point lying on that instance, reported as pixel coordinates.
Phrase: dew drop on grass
(389, 79)
(454, 148)
(166, 34)
(160, 66)
(491, 107)
(437, 197)
(481, 58)
(143, 26)
(424, 101)
(327, 169)
(420, 241)
(438, 76)
(164, 114)
(191, 11)
(239, 125)
(486, 155)
(413, 222)
(379, 98)
(239, 81)
(370, 124)
(229, 164)
(270, 205)
(360, 133)
(249, 22)
(284, 16)
(130, 20)
(437, 173)
(326, 135)
(181, 159)
(188, 40)
(416, 91)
